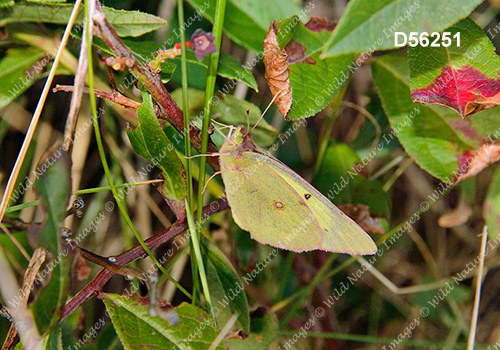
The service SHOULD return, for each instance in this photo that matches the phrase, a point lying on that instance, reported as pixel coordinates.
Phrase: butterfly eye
(238, 138)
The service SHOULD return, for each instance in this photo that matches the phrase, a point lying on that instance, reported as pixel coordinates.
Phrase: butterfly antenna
(268, 106)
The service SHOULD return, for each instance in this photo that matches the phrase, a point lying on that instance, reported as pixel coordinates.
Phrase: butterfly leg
(211, 177)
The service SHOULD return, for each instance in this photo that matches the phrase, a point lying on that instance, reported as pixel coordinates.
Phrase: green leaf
(6, 3)
(18, 71)
(314, 81)
(492, 206)
(149, 140)
(314, 86)
(250, 17)
(229, 67)
(230, 110)
(126, 23)
(369, 25)
(457, 77)
(432, 135)
(52, 341)
(340, 179)
(263, 331)
(191, 328)
(226, 287)
(53, 185)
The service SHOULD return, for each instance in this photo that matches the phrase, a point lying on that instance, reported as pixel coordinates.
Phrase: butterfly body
(280, 208)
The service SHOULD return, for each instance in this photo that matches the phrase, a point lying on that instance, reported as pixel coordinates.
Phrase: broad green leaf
(126, 23)
(149, 140)
(340, 178)
(369, 25)
(263, 331)
(435, 136)
(226, 288)
(53, 186)
(314, 81)
(246, 22)
(314, 86)
(18, 71)
(191, 328)
(230, 110)
(492, 206)
(464, 78)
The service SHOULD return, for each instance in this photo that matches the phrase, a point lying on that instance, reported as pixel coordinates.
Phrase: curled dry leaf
(360, 213)
(276, 62)
(471, 164)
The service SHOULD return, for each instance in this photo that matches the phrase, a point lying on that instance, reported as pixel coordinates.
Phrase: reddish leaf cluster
(466, 90)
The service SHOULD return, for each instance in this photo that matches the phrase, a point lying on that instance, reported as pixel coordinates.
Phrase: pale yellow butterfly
(280, 208)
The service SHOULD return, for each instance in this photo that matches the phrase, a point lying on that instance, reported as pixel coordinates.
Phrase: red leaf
(465, 90)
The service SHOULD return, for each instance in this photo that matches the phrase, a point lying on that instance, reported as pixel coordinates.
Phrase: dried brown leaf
(471, 164)
(276, 62)
(361, 214)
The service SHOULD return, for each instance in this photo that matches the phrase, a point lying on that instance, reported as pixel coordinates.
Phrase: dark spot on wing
(307, 196)
(279, 205)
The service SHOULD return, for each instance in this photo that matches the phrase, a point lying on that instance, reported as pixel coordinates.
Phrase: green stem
(209, 92)
(220, 9)
(187, 145)
(327, 131)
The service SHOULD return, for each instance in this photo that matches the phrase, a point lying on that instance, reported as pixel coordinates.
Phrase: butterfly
(280, 208)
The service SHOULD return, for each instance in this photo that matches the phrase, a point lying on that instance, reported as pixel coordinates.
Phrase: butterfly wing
(263, 203)
(339, 233)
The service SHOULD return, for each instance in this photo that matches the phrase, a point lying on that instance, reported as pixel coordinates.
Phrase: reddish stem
(135, 253)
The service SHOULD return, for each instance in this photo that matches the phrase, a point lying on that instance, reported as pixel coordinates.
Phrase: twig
(136, 253)
(475, 310)
(114, 96)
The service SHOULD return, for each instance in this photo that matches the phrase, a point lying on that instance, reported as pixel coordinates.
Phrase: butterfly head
(239, 140)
